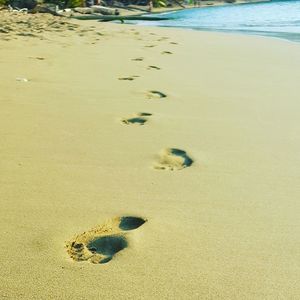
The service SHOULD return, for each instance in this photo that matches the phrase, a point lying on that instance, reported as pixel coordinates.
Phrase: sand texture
(147, 163)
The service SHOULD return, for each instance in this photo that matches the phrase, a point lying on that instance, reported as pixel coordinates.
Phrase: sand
(219, 116)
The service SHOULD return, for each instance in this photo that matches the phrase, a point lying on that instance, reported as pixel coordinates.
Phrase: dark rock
(29, 4)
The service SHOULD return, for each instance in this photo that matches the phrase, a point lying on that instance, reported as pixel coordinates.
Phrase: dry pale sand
(222, 214)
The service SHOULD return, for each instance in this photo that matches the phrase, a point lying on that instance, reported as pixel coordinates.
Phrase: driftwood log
(97, 9)
(83, 10)
(104, 10)
(42, 9)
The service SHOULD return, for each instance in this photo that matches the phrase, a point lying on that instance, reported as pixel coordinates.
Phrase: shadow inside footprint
(138, 59)
(37, 57)
(108, 246)
(126, 78)
(153, 67)
(156, 94)
(130, 223)
(136, 120)
(145, 114)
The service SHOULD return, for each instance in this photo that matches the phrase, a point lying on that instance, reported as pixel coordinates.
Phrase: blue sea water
(275, 18)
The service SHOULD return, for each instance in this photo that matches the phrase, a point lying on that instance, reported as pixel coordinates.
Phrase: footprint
(138, 119)
(100, 244)
(153, 68)
(166, 52)
(138, 59)
(37, 57)
(126, 78)
(129, 78)
(162, 39)
(156, 95)
(173, 43)
(173, 159)
(26, 34)
(150, 46)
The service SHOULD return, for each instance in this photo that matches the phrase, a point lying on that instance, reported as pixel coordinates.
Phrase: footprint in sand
(173, 43)
(138, 59)
(150, 46)
(26, 34)
(153, 68)
(130, 78)
(156, 95)
(100, 244)
(173, 159)
(37, 57)
(162, 39)
(138, 119)
(166, 52)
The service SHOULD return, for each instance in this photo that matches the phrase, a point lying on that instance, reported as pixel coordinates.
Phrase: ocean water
(276, 18)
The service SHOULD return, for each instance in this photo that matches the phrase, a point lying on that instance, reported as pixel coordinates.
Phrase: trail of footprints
(169, 158)
(101, 244)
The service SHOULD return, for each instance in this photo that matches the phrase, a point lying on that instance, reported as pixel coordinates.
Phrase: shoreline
(288, 36)
(271, 35)
(159, 10)
(207, 3)
(222, 223)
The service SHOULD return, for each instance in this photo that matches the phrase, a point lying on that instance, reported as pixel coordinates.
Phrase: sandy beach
(195, 134)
